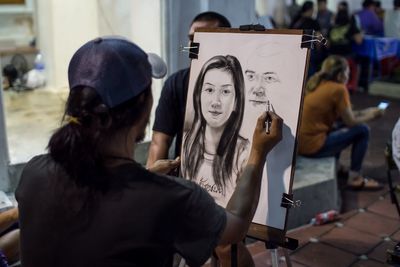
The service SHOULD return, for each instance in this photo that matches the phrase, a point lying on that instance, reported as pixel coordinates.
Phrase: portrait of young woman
(213, 149)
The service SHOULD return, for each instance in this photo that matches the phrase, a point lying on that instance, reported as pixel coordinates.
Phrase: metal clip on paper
(288, 202)
(192, 49)
(252, 27)
(309, 39)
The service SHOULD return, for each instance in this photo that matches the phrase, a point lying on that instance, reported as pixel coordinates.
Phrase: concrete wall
(114, 17)
(146, 31)
(63, 26)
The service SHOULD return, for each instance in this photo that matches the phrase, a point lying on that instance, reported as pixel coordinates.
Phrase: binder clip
(192, 49)
(252, 27)
(309, 39)
(288, 202)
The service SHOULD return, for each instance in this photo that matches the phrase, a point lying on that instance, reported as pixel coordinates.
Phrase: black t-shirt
(307, 24)
(170, 112)
(140, 221)
(341, 38)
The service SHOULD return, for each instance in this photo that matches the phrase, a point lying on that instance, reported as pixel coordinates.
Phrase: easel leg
(287, 257)
(230, 257)
(273, 248)
(274, 257)
(214, 260)
(234, 255)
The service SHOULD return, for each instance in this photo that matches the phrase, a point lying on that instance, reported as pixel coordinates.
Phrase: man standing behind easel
(170, 111)
(169, 121)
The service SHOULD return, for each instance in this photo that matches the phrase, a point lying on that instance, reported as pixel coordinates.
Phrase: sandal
(365, 185)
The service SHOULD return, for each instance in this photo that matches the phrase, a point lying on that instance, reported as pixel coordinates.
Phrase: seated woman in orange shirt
(326, 101)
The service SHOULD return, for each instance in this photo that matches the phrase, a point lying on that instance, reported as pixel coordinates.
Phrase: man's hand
(165, 166)
(160, 143)
(244, 200)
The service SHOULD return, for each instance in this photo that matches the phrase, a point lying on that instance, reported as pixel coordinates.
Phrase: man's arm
(243, 203)
(7, 218)
(159, 146)
(169, 116)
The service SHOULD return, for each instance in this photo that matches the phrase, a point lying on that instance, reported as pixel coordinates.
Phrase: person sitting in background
(293, 9)
(340, 41)
(368, 20)
(324, 17)
(370, 24)
(343, 33)
(89, 203)
(304, 19)
(342, 5)
(379, 11)
(392, 21)
(326, 101)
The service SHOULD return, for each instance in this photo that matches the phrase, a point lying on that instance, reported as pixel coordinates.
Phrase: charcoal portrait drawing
(213, 150)
(233, 80)
(265, 80)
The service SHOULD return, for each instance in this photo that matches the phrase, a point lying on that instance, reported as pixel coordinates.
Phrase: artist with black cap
(88, 203)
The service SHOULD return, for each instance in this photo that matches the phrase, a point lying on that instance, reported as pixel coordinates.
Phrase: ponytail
(76, 145)
(331, 68)
(313, 82)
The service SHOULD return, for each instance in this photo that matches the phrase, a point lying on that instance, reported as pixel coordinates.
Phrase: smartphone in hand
(383, 105)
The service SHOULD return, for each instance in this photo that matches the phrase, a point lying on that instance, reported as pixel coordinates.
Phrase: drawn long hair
(193, 147)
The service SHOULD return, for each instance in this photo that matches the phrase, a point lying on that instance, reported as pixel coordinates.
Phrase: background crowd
(345, 31)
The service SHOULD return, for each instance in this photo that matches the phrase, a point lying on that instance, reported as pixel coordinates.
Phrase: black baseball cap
(115, 67)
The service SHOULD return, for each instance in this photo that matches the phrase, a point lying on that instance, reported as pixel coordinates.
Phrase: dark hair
(344, 4)
(321, 1)
(331, 68)
(307, 5)
(194, 140)
(76, 145)
(368, 3)
(213, 16)
(396, 3)
(304, 8)
(342, 18)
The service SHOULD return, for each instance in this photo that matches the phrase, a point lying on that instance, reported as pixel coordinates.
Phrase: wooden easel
(272, 237)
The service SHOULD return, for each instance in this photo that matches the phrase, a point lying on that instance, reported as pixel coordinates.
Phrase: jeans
(339, 139)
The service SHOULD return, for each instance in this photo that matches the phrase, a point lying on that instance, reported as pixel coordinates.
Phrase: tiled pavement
(359, 238)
